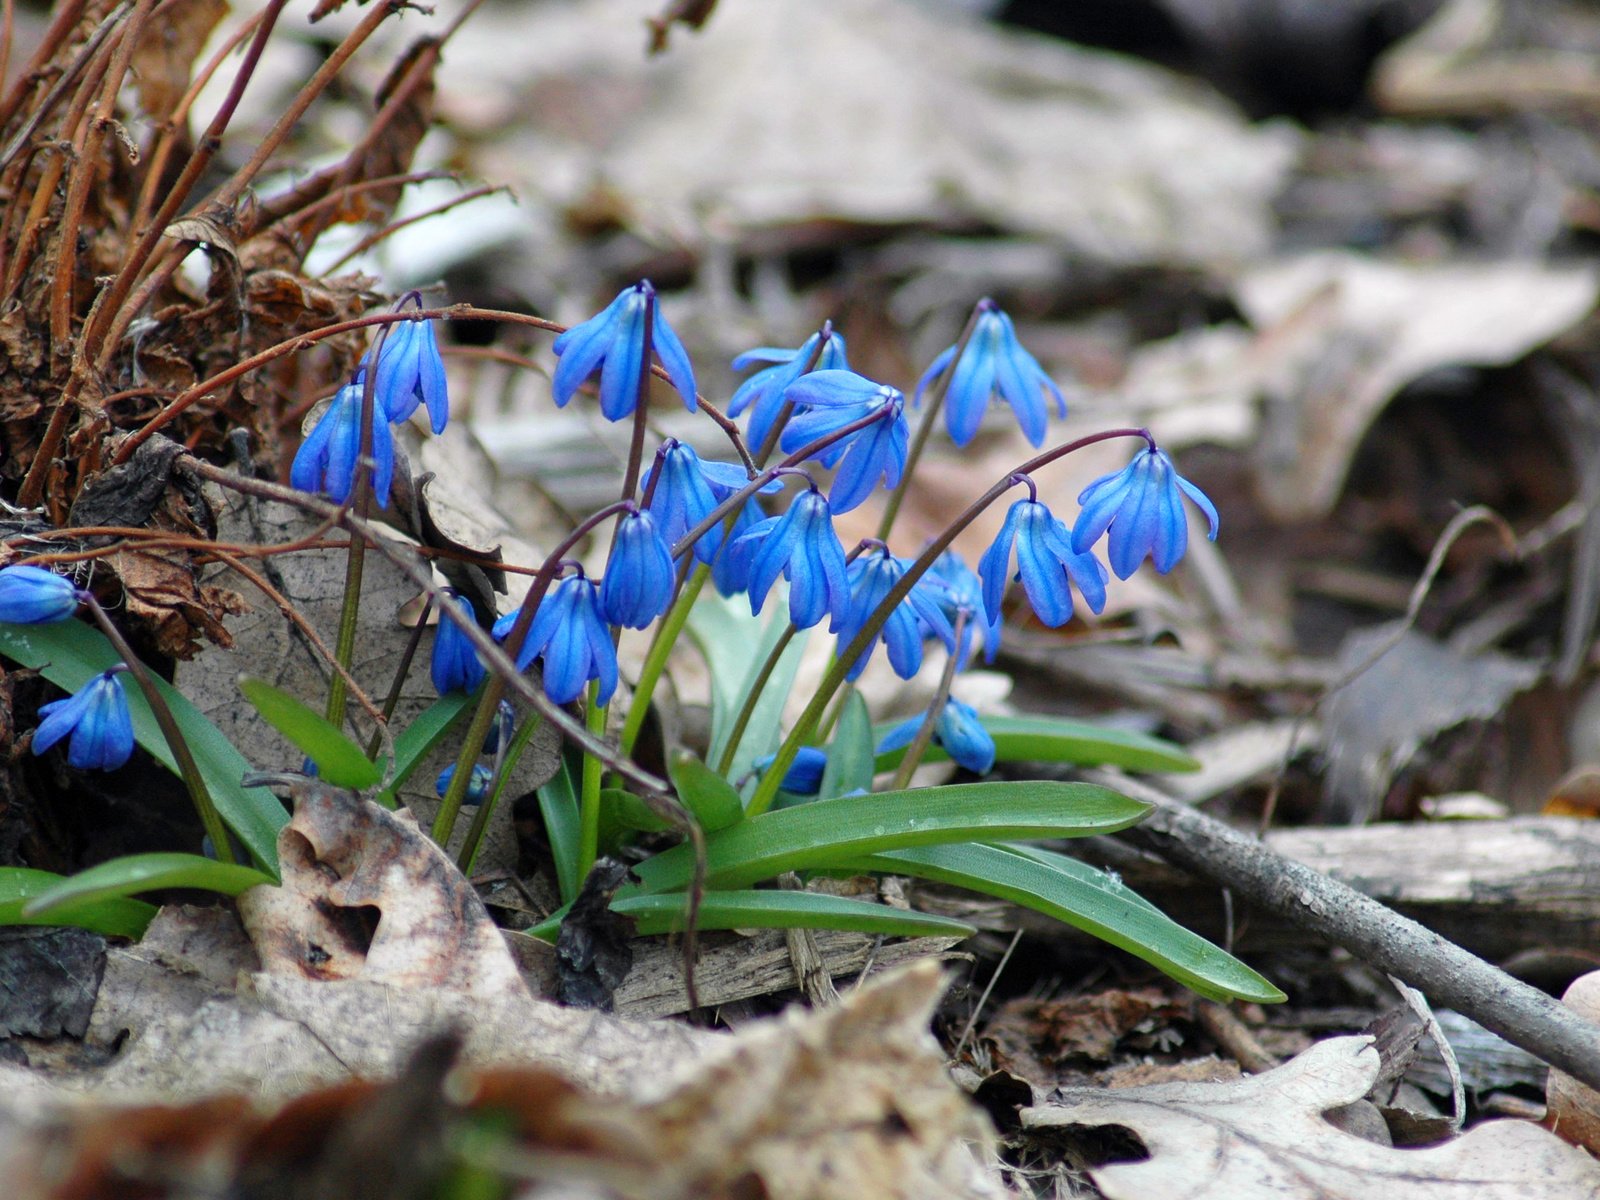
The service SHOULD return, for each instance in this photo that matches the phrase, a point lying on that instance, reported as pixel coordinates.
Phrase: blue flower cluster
(410, 373)
(823, 416)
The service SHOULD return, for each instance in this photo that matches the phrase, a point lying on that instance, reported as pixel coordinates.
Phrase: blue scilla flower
(326, 460)
(477, 783)
(804, 776)
(639, 578)
(410, 372)
(832, 399)
(1142, 507)
(34, 596)
(957, 729)
(96, 716)
(455, 666)
(806, 550)
(962, 592)
(612, 343)
(871, 576)
(570, 634)
(682, 497)
(992, 362)
(1046, 562)
(764, 392)
(731, 570)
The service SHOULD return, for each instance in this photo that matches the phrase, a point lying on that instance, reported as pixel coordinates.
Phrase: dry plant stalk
(100, 329)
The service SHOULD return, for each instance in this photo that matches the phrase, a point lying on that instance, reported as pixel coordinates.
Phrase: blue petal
(935, 369)
(1018, 380)
(583, 348)
(833, 389)
(762, 354)
(620, 380)
(1100, 501)
(901, 735)
(675, 359)
(993, 566)
(970, 387)
(1043, 576)
(1203, 502)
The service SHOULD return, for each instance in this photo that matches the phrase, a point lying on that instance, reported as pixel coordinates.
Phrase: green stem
(444, 822)
(502, 776)
(802, 732)
(401, 671)
(589, 797)
(196, 785)
(924, 735)
(751, 698)
(929, 416)
(655, 661)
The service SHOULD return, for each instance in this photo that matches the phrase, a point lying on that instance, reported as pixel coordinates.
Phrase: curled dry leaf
(1574, 1109)
(367, 895)
(1265, 1137)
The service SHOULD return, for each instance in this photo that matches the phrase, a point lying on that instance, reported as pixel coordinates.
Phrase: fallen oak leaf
(1265, 1137)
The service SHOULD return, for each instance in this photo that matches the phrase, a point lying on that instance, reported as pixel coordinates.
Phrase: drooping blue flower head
(326, 460)
(806, 550)
(477, 784)
(97, 717)
(833, 399)
(957, 729)
(1142, 507)
(764, 392)
(682, 497)
(731, 570)
(455, 666)
(612, 343)
(963, 593)
(804, 776)
(410, 372)
(571, 636)
(871, 576)
(1046, 562)
(638, 583)
(993, 362)
(34, 596)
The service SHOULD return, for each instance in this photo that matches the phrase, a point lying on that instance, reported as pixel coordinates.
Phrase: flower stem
(655, 661)
(190, 772)
(752, 698)
(502, 776)
(941, 694)
(589, 796)
(929, 416)
(767, 790)
(400, 672)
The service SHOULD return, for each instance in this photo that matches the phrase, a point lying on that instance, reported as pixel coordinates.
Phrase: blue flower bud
(455, 666)
(411, 372)
(34, 596)
(639, 579)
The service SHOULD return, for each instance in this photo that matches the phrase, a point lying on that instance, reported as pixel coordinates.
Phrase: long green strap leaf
(558, 804)
(1089, 900)
(785, 910)
(1055, 739)
(70, 653)
(115, 917)
(828, 832)
(144, 873)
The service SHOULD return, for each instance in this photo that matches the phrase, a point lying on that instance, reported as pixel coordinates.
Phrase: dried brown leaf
(367, 895)
(1264, 1138)
(164, 58)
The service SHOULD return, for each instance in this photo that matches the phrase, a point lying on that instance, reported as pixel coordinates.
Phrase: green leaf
(829, 832)
(339, 760)
(1055, 739)
(784, 910)
(850, 756)
(622, 812)
(710, 797)
(558, 804)
(70, 653)
(417, 740)
(1081, 896)
(144, 873)
(115, 917)
(734, 645)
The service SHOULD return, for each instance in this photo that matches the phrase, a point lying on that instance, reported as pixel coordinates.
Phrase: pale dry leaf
(1264, 1138)
(1379, 326)
(368, 895)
